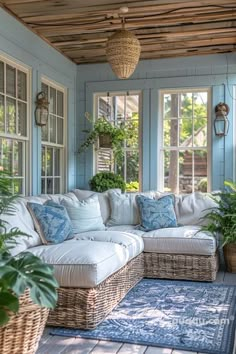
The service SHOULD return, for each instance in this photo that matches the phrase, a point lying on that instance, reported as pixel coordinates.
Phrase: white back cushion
(21, 219)
(103, 200)
(190, 208)
(85, 214)
(124, 209)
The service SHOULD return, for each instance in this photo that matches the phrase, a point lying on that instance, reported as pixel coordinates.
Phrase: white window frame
(63, 155)
(95, 110)
(26, 140)
(179, 148)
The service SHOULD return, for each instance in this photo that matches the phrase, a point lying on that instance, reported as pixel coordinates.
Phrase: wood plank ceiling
(166, 28)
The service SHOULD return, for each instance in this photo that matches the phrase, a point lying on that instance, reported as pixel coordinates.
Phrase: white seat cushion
(133, 243)
(86, 261)
(179, 240)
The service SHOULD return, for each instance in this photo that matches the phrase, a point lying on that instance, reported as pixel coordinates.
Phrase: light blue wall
(24, 46)
(150, 76)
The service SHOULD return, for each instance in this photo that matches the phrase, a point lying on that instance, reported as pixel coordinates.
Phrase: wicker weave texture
(123, 51)
(22, 333)
(180, 266)
(230, 257)
(86, 308)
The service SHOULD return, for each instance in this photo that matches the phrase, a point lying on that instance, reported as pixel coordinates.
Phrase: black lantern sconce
(41, 110)
(221, 122)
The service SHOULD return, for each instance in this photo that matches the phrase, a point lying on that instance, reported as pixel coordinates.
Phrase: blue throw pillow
(51, 222)
(156, 213)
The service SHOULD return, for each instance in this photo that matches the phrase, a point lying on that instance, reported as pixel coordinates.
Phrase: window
(184, 150)
(121, 109)
(14, 122)
(53, 141)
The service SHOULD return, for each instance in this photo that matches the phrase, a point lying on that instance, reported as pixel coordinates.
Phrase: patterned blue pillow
(156, 213)
(51, 222)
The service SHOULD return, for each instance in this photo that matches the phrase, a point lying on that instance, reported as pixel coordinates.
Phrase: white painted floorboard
(64, 345)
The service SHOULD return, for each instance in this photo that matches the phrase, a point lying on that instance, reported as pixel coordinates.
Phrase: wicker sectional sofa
(96, 269)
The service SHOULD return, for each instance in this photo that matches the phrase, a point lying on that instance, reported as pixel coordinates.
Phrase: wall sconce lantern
(221, 122)
(41, 110)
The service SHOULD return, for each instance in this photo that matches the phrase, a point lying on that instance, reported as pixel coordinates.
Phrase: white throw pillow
(190, 208)
(124, 209)
(102, 197)
(85, 214)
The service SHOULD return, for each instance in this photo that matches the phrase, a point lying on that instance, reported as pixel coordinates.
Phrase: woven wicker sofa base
(181, 266)
(22, 333)
(86, 308)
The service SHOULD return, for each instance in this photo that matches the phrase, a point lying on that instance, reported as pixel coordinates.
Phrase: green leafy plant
(103, 181)
(21, 272)
(222, 218)
(132, 186)
(118, 135)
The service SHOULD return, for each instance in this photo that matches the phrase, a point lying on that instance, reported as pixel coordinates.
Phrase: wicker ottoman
(180, 253)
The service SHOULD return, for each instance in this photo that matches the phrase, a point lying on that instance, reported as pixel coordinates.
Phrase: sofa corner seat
(96, 269)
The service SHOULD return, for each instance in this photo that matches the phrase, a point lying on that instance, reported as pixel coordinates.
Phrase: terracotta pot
(105, 141)
(230, 257)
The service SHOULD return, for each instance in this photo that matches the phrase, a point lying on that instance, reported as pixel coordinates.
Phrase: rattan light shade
(123, 51)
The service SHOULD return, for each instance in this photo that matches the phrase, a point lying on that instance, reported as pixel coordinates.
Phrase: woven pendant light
(123, 51)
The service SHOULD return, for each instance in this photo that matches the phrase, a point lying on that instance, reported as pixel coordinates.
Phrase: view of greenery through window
(13, 123)
(53, 141)
(121, 109)
(184, 149)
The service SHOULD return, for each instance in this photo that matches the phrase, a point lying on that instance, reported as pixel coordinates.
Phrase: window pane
(200, 104)
(60, 131)
(186, 108)
(120, 106)
(53, 122)
(18, 186)
(21, 85)
(171, 171)
(11, 116)
(200, 170)
(200, 132)
(186, 132)
(2, 114)
(60, 104)
(49, 183)
(49, 162)
(1, 76)
(52, 106)
(57, 185)
(22, 118)
(11, 81)
(167, 105)
(132, 106)
(43, 161)
(173, 132)
(133, 142)
(166, 132)
(43, 187)
(132, 166)
(6, 151)
(187, 172)
(57, 171)
(18, 159)
(44, 132)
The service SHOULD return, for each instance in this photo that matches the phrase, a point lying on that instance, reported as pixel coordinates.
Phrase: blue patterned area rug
(192, 316)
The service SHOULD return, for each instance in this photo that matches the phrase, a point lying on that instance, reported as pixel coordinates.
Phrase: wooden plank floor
(63, 345)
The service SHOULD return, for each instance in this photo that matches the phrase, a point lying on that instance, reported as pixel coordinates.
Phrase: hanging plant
(116, 134)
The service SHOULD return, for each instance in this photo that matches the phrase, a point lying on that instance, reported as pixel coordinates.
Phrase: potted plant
(107, 135)
(222, 221)
(27, 286)
(103, 181)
